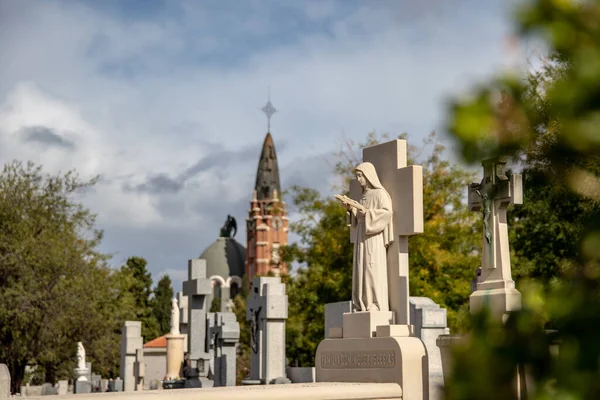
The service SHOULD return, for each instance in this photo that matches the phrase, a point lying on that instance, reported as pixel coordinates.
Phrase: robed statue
(371, 218)
(80, 356)
(174, 317)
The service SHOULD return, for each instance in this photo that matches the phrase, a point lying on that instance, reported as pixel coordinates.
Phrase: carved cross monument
(498, 189)
(405, 186)
(197, 289)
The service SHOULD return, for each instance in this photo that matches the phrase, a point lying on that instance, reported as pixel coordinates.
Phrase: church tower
(267, 222)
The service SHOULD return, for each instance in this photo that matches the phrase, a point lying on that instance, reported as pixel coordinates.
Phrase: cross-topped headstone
(197, 289)
(266, 309)
(405, 186)
(498, 189)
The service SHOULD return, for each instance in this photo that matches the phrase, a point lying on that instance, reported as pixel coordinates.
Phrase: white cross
(491, 197)
(405, 186)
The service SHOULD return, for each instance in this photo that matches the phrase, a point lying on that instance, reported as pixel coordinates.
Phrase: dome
(224, 258)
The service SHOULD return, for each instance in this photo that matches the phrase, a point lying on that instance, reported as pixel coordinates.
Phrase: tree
(161, 304)
(141, 290)
(554, 130)
(55, 286)
(443, 259)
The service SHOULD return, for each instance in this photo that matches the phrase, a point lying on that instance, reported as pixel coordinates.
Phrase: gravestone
(80, 387)
(197, 289)
(4, 382)
(48, 389)
(88, 366)
(63, 387)
(266, 309)
(182, 301)
(131, 342)
(139, 369)
(430, 322)
(103, 385)
(95, 379)
(115, 385)
(334, 314)
(210, 323)
(377, 345)
(498, 189)
(225, 335)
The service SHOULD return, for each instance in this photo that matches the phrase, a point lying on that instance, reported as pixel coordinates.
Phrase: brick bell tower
(267, 222)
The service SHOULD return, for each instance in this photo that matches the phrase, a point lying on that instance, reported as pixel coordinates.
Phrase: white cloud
(145, 99)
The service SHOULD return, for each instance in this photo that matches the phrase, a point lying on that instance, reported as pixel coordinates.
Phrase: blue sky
(162, 98)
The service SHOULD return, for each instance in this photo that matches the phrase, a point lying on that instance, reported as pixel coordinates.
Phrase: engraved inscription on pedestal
(358, 359)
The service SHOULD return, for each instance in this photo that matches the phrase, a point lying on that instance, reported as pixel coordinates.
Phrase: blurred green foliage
(548, 121)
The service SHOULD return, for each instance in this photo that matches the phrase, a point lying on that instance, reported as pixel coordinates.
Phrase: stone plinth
(401, 360)
(82, 387)
(334, 313)
(499, 300)
(363, 324)
(175, 351)
(82, 374)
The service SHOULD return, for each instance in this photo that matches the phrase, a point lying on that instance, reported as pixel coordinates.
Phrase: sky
(162, 98)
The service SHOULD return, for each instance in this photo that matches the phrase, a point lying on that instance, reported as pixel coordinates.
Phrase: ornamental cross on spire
(269, 110)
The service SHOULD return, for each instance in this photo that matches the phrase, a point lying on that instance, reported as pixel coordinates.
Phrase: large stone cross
(498, 189)
(405, 186)
(197, 289)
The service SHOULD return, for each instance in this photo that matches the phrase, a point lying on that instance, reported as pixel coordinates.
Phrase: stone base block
(199, 383)
(401, 360)
(335, 333)
(395, 330)
(82, 387)
(364, 324)
(499, 301)
(301, 374)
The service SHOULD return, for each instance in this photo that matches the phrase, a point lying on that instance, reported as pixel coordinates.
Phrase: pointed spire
(267, 175)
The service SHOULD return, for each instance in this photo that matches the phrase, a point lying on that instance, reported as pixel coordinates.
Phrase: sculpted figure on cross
(373, 233)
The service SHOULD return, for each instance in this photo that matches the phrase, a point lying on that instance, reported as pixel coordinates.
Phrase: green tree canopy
(550, 122)
(161, 304)
(55, 286)
(141, 289)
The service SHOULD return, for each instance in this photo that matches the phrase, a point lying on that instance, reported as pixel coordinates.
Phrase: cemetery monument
(175, 350)
(498, 189)
(377, 342)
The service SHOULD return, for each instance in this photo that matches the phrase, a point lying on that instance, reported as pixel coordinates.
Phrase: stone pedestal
(82, 374)
(500, 297)
(82, 387)
(391, 359)
(175, 352)
(363, 324)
